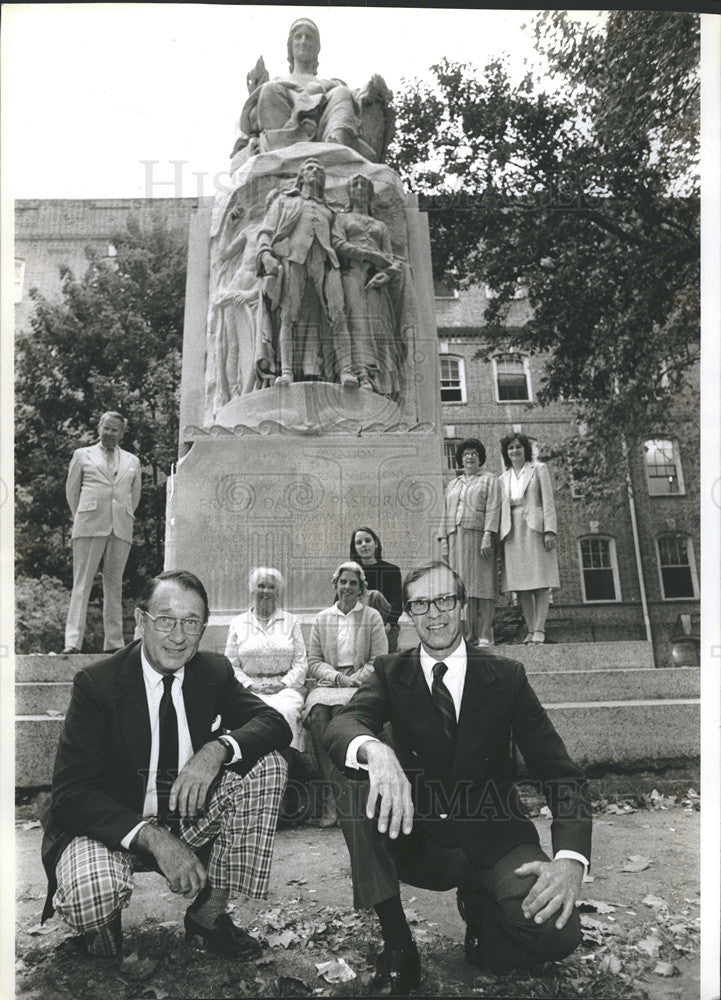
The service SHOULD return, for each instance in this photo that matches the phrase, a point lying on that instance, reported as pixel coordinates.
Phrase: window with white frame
(599, 569)
(453, 379)
(512, 377)
(449, 453)
(19, 278)
(677, 566)
(663, 468)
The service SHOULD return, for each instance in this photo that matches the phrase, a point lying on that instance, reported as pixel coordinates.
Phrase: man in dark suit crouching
(142, 782)
(441, 810)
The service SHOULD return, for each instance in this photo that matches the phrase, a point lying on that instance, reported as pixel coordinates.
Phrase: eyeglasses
(421, 605)
(164, 623)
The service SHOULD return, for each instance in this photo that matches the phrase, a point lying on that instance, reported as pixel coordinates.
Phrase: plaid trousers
(239, 821)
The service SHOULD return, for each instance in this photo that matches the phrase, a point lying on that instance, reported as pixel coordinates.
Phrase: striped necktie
(443, 701)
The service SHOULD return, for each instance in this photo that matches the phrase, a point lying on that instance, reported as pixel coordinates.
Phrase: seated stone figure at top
(303, 107)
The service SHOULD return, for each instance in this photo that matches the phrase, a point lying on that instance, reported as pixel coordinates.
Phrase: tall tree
(581, 184)
(112, 343)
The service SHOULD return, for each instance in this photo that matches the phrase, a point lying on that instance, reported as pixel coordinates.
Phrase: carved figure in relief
(295, 251)
(374, 289)
(303, 107)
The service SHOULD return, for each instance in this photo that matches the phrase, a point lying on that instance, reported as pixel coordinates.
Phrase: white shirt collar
(358, 607)
(455, 662)
(151, 676)
(277, 614)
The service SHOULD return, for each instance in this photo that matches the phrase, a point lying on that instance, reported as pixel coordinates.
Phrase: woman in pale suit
(467, 534)
(528, 533)
(344, 641)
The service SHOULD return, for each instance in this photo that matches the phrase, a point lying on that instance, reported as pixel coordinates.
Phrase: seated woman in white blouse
(266, 650)
(344, 641)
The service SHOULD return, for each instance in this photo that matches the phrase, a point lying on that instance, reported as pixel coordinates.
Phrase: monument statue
(294, 250)
(375, 289)
(310, 283)
(310, 385)
(303, 107)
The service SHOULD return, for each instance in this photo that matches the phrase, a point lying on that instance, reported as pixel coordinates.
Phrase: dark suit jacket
(471, 781)
(101, 767)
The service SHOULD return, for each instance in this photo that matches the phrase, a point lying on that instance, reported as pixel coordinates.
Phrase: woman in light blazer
(528, 533)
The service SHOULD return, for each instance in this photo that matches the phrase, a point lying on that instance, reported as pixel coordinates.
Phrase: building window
(453, 379)
(512, 378)
(19, 278)
(449, 453)
(677, 567)
(599, 569)
(663, 468)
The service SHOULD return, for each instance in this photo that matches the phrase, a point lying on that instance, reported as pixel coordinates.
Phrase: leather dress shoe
(69, 650)
(224, 938)
(106, 942)
(397, 973)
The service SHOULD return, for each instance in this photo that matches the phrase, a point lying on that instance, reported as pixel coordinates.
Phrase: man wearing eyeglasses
(143, 780)
(441, 811)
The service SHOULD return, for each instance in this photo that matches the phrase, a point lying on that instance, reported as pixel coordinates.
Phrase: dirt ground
(635, 922)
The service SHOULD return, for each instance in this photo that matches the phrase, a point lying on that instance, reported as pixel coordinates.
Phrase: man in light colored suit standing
(103, 491)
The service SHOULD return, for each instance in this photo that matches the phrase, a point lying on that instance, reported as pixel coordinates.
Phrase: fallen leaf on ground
(39, 929)
(611, 963)
(139, 968)
(32, 824)
(285, 939)
(666, 969)
(412, 917)
(636, 863)
(337, 971)
(650, 945)
(654, 901)
(594, 905)
(621, 810)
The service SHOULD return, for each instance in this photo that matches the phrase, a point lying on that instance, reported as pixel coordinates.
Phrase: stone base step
(618, 734)
(573, 656)
(43, 697)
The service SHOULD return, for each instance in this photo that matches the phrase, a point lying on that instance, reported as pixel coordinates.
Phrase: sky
(92, 92)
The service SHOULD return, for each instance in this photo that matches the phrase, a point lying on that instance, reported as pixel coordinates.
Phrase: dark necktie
(168, 747)
(443, 701)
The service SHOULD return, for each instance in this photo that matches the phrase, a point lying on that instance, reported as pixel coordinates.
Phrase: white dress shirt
(454, 679)
(346, 631)
(517, 482)
(112, 460)
(153, 680)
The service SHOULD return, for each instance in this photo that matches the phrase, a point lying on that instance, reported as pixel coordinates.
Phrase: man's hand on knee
(184, 872)
(190, 788)
(557, 886)
(390, 787)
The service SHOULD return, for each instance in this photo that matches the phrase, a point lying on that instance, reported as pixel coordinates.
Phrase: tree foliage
(583, 187)
(113, 342)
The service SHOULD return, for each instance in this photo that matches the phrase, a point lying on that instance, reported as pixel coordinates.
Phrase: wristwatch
(229, 748)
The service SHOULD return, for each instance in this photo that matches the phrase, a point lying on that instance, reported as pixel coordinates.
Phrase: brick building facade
(602, 578)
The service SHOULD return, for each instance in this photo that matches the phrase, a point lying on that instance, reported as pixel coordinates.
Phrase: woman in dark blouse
(365, 548)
